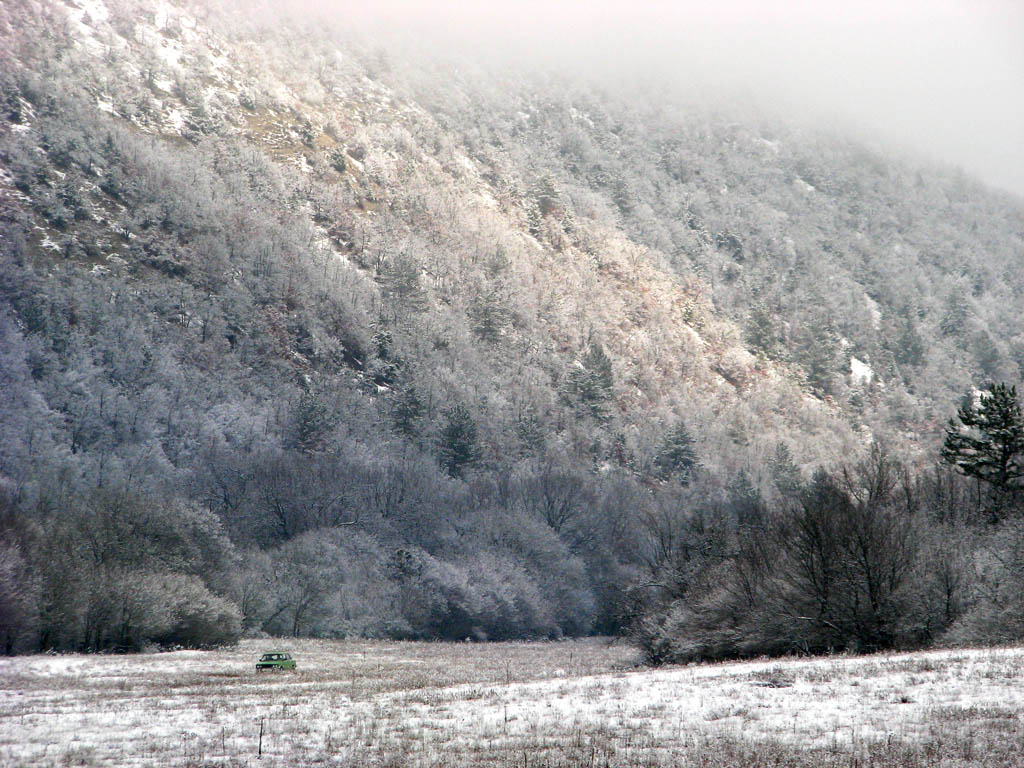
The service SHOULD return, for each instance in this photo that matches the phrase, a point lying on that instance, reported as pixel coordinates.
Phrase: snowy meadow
(573, 703)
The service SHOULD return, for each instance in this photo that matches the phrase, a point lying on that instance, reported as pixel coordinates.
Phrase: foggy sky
(943, 78)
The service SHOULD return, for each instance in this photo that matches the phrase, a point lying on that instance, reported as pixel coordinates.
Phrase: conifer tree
(988, 444)
(546, 196)
(408, 410)
(677, 458)
(762, 331)
(312, 422)
(400, 283)
(785, 472)
(817, 350)
(458, 441)
(910, 349)
(591, 380)
(489, 314)
(957, 312)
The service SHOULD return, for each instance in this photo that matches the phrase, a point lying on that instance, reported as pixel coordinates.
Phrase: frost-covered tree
(400, 280)
(817, 350)
(785, 472)
(489, 314)
(762, 331)
(910, 348)
(590, 380)
(408, 412)
(677, 456)
(312, 421)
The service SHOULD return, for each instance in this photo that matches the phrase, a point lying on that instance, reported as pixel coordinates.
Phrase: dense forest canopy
(304, 335)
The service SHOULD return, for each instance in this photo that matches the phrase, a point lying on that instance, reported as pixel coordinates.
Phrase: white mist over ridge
(944, 79)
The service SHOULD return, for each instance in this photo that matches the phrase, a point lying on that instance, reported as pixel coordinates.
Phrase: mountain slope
(433, 355)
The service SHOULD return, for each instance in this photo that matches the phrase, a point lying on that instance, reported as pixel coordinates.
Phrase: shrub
(197, 618)
(996, 601)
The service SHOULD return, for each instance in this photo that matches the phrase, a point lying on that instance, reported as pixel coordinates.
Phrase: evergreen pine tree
(986, 353)
(745, 500)
(546, 196)
(909, 345)
(489, 314)
(988, 444)
(400, 283)
(458, 441)
(785, 472)
(534, 218)
(762, 331)
(817, 351)
(957, 312)
(677, 457)
(591, 380)
(312, 422)
(408, 411)
(530, 431)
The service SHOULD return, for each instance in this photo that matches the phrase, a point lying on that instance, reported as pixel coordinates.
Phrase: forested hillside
(305, 334)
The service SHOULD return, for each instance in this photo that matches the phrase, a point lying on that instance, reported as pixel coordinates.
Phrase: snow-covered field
(574, 703)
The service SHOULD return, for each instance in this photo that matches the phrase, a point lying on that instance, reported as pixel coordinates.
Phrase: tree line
(866, 557)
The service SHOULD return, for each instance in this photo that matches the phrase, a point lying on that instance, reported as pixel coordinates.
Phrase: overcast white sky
(943, 77)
